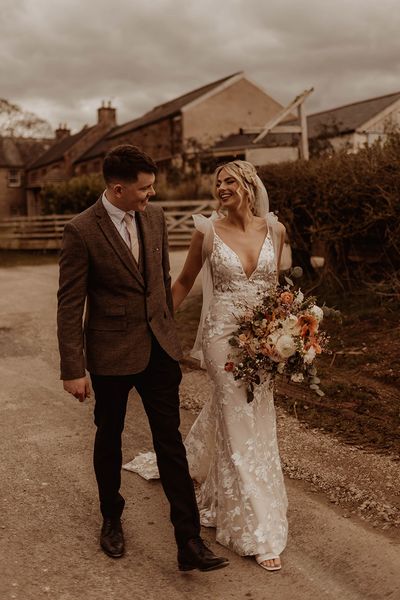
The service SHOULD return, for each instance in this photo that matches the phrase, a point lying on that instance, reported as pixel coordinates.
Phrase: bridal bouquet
(279, 335)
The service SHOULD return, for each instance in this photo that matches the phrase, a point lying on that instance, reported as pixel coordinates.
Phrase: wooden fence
(45, 232)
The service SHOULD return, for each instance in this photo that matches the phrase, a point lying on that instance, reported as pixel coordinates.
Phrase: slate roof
(57, 151)
(20, 152)
(100, 148)
(348, 118)
(245, 140)
(162, 111)
(170, 108)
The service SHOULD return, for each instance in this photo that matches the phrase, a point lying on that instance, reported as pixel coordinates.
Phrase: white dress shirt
(117, 217)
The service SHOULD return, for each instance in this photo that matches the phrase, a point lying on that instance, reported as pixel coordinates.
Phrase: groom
(115, 259)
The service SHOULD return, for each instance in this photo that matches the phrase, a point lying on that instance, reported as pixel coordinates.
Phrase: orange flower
(316, 347)
(308, 325)
(229, 366)
(313, 343)
(287, 297)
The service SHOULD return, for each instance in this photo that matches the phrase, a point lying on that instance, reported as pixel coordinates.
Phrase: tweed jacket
(122, 308)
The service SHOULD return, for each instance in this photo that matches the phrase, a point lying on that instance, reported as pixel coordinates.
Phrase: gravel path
(50, 520)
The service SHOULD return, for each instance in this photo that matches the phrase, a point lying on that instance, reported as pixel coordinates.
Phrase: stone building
(58, 162)
(357, 124)
(348, 127)
(15, 156)
(174, 131)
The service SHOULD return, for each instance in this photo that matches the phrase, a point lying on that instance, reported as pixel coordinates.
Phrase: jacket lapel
(114, 238)
(142, 221)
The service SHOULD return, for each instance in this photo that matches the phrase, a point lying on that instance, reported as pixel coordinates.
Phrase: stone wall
(242, 104)
(12, 199)
(267, 156)
(154, 139)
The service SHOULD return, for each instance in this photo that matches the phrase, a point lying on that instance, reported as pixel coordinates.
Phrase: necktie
(134, 243)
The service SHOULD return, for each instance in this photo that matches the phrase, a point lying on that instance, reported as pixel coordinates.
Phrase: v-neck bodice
(229, 275)
(238, 257)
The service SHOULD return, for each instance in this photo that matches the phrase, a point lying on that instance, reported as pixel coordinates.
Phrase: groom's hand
(79, 388)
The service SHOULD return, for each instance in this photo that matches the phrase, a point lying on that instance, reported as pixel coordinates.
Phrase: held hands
(79, 388)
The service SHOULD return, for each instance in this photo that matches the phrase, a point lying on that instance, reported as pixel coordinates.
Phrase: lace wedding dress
(232, 447)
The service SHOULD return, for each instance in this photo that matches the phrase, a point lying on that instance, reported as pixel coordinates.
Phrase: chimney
(107, 114)
(62, 131)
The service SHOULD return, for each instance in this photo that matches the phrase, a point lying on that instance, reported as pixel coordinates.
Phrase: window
(14, 178)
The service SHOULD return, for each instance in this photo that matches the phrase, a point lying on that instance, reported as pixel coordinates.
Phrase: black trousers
(158, 386)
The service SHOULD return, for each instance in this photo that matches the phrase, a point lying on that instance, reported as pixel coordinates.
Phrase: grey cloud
(62, 57)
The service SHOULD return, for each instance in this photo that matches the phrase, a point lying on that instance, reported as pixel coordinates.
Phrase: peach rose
(287, 297)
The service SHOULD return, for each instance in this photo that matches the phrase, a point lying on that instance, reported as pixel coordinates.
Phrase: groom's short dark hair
(125, 162)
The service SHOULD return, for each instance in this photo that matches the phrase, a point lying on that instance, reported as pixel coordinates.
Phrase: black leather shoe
(112, 538)
(196, 555)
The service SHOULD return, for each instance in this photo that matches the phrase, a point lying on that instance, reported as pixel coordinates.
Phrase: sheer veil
(261, 206)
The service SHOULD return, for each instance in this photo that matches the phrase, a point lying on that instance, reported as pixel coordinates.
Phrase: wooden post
(304, 153)
(273, 124)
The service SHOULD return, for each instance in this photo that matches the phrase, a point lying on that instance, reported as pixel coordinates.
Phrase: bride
(232, 447)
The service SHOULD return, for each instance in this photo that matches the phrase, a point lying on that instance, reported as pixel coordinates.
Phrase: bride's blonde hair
(246, 175)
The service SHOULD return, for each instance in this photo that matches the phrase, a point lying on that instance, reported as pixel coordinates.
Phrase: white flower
(309, 355)
(317, 312)
(290, 326)
(297, 377)
(274, 337)
(285, 346)
(299, 297)
(281, 367)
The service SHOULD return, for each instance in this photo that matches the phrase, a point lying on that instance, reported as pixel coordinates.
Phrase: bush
(72, 196)
(349, 205)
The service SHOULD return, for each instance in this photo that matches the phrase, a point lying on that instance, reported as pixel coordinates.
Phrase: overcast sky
(60, 58)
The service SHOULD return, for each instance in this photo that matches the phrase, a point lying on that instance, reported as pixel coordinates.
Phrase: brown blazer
(123, 306)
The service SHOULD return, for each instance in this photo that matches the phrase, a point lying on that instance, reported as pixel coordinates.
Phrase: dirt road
(49, 515)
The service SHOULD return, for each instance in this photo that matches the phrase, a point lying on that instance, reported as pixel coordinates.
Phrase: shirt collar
(115, 212)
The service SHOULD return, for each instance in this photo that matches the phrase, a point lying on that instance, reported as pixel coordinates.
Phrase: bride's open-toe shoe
(264, 559)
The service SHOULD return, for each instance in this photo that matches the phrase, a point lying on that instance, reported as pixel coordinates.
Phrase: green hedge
(346, 206)
(72, 196)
